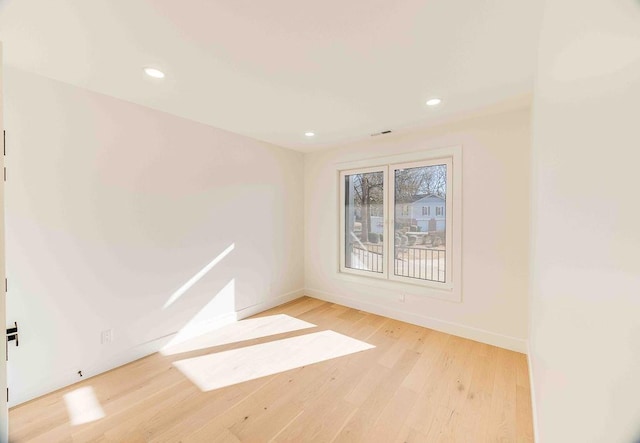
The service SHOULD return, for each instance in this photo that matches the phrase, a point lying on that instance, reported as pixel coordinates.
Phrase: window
(419, 254)
(398, 247)
(363, 193)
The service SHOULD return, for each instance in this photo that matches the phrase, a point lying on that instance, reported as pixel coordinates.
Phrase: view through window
(419, 238)
(408, 241)
(364, 221)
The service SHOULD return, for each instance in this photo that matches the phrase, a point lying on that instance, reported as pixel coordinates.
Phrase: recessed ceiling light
(153, 72)
(434, 102)
(309, 134)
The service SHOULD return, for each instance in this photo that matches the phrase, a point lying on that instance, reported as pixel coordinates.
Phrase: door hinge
(7, 395)
(6, 285)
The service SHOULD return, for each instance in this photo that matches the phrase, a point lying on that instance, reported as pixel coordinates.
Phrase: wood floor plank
(524, 418)
(433, 344)
(393, 416)
(423, 414)
(502, 420)
(375, 403)
(416, 385)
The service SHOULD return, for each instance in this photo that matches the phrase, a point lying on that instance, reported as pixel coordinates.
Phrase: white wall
(585, 302)
(495, 230)
(111, 207)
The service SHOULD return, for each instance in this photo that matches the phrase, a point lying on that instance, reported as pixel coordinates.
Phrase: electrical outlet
(106, 337)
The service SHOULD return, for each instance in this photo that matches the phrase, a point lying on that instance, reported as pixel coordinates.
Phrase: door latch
(12, 335)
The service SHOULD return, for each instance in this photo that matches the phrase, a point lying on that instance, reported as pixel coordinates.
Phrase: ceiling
(273, 70)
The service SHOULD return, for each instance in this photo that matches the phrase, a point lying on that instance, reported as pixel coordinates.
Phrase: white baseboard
(481, 335)
(532, 390)
(271, 303)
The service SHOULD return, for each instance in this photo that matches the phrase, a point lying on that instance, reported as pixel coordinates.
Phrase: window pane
(364, 221)
(419, 235)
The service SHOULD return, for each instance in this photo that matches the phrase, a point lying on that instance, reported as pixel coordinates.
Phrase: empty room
(320, 221)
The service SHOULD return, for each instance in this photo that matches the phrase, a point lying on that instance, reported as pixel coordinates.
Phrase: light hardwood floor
(416, 385)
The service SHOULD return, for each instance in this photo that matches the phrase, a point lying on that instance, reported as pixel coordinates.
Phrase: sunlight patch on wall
(236, 332)
(184, 288)
(83, 406)
(218, 312)
(214, 371)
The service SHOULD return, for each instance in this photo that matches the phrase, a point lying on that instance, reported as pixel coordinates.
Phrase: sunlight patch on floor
(83, 406)
(214, 371)
(236, 332)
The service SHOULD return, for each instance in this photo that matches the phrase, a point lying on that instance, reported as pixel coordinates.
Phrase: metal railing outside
(367, 257)
(427, 264)
(421, 263)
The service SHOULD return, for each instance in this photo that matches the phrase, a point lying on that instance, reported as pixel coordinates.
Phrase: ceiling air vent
(388, 131)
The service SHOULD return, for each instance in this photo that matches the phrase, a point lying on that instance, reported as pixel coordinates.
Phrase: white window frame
(343, 243)
(450, 291)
